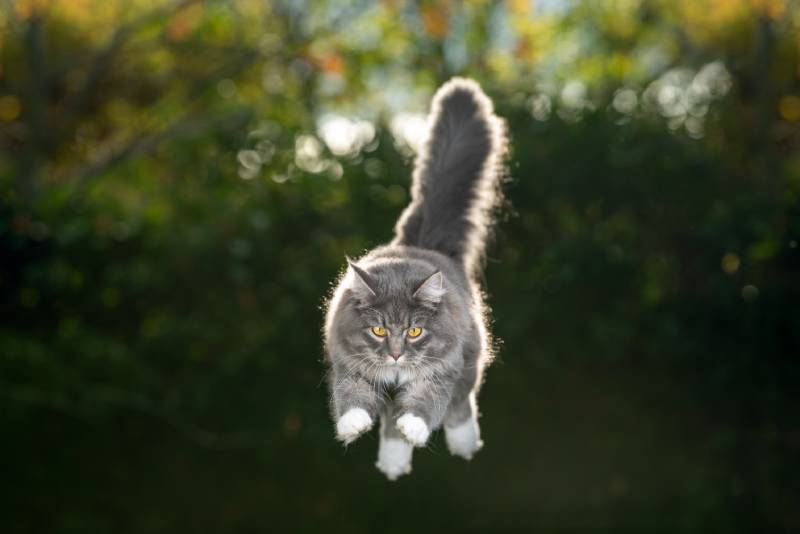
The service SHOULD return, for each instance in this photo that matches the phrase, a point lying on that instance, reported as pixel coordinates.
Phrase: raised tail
(457, 175)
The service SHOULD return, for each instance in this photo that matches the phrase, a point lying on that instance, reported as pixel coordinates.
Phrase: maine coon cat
(406, 332)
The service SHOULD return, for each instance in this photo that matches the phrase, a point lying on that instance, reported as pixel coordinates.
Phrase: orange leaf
(435, 18)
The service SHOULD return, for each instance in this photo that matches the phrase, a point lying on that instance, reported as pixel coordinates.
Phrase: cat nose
(395, 356)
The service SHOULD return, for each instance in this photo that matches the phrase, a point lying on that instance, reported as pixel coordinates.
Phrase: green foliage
(172, 214)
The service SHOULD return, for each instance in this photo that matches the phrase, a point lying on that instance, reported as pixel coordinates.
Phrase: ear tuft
(432, 289)
(363, 280)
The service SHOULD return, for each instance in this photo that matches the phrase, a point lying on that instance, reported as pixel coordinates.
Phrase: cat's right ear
(432, 289)
(362, 278)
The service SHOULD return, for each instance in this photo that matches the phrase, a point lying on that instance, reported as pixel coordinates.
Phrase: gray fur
(427, 278)
(456, 183)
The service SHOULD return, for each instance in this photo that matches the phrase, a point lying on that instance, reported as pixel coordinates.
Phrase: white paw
(394, 458)
(463, 440)
(413, 429)
(352, 424)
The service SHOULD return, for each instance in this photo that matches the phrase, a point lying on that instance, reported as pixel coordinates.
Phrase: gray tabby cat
(406, 329)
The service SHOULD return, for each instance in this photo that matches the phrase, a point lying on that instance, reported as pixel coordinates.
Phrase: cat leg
(422, 405)
(394, 452)
(355, 405)
(461, 430)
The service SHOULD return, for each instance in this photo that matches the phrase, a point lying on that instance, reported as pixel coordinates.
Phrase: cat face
(396, 319)
(397, 332)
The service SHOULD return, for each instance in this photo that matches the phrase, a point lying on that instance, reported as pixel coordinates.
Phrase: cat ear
(363, 279)
(432, 289)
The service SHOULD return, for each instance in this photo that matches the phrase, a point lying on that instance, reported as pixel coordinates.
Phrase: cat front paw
(413, 429)
(352, 424)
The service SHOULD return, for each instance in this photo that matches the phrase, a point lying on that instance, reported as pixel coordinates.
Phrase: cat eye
(414, 331)
(378, 331)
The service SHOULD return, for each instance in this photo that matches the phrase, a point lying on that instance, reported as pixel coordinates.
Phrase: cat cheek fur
(428, 276)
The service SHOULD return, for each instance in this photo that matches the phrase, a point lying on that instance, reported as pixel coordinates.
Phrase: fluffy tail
(456, 183)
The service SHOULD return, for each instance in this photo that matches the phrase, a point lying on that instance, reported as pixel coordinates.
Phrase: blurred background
(180, 183)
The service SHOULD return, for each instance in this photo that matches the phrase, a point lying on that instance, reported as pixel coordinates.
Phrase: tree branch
(36, 102)
(186, 127)
(77, 102)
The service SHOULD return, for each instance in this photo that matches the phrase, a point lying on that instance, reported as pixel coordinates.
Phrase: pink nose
(395, 356)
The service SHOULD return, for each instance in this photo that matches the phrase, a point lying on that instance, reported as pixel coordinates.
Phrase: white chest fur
(395, 376)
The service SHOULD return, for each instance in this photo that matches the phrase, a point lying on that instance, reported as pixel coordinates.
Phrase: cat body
(406, 334)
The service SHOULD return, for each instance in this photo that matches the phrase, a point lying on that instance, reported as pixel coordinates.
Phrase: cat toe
(394, 458)
(413, 429)
(464, 439)
(393, 472)
(352, 424)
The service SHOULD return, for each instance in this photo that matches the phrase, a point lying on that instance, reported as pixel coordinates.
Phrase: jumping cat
(406, 333)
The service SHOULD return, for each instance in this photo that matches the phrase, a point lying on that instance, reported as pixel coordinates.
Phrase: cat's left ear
(432, 289)
(363, 279)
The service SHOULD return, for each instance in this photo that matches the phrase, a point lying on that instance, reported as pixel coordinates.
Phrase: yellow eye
(414, 331)
(379, 331)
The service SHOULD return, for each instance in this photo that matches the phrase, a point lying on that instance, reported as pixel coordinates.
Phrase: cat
(406, 334)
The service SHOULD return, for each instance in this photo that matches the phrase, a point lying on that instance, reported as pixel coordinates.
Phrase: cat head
(394, 313)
